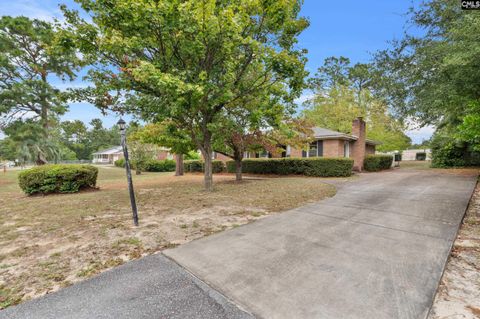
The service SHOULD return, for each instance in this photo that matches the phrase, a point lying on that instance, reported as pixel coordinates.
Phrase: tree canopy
(29, 55)
(433, 77)
(190, 61)
(343, 92)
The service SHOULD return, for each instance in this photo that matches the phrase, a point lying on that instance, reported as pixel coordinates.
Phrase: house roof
(111, 150)
(326, 134)
(323, 133)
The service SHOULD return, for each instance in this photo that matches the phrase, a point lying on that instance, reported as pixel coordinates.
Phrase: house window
(315, 149)
(346, 149)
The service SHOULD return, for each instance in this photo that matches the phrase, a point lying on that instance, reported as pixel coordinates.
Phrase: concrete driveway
(375, 250)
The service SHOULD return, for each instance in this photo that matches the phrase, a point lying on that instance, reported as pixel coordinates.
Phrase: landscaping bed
(49, 242)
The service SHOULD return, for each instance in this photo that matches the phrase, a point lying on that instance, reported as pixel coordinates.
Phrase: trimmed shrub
(218, 167)
(193, 166)
(448, 152)
(318, 166)
(197, 166)
(230, 166)
(151, 165)
(120, 162)
(160, 166)
(375, 163)
(58, 178)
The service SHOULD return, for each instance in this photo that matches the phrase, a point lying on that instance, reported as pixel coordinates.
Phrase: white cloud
(43, 10)
(418, 134)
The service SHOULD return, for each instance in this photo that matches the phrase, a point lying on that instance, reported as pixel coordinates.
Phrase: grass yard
(49, 242)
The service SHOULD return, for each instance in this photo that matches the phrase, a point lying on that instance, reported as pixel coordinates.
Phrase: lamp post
(121, 124)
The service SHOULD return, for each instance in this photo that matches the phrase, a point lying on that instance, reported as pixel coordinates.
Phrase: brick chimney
(358, 130)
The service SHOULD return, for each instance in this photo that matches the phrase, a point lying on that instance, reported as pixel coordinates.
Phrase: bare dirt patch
(49, 242)
(459, 292)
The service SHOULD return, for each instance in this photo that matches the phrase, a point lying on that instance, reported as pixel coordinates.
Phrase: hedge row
(324, 167)
(160, 166)
(197, 166)
(375, 163)
(58, 178)
(151, 165)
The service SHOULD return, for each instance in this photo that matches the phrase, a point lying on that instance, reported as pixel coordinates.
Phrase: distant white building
(108, 156)
(417, 155)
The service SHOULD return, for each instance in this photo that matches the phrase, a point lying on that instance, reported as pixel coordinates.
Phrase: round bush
(58, 178)
(120, 162)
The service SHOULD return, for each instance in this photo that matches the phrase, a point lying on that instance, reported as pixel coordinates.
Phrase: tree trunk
(238, 169)
(178, 164)
(44, 105)
(40, 160)
(208, 173)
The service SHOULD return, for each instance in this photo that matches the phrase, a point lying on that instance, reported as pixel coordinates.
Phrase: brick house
(328, 143)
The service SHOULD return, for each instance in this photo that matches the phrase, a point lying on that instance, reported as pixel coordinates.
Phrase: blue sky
(351, 28)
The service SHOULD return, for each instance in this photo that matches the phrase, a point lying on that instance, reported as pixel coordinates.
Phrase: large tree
(343, 92)
(29, 58)
(432, 74)
(188, 61)
(83, 140)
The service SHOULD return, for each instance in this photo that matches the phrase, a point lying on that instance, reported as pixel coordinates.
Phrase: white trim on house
(346, 149)
(108, 156)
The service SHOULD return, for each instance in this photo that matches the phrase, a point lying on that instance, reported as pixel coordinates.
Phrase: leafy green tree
(29, 56)
(74, 135)
(343, 92)
(140, 151)
(189, 61)
(381, 126)
(166, 134)
(244, 125)
(334, 109)
(433, 77)
(8, 149)
(333, 73)
(469, 129)
(30, 143)
(99, 137)
(425, 143)
(83, 140)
